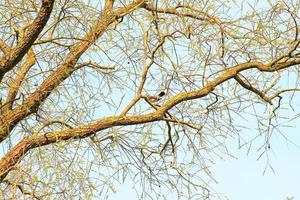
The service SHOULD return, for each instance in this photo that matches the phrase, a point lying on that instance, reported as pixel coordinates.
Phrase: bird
(154, 99)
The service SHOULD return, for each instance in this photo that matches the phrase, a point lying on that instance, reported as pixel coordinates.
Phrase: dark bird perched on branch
(154, 99)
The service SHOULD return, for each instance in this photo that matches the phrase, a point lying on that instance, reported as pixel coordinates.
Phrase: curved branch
(51, 123)
(13, 56)
(16, 154)
(14, 88)
(22, 190)
(173, 11)
(144, 74)
(32, 103)
(4, 47)
(64, 70)
(249, 87)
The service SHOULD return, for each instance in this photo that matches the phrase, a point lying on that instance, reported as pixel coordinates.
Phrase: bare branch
(11, 58)
(14, 88)
(248, 86)
(181, 58)
(31, 104)
(4, 47)
(144, 74)
(183, 123)
(22, 190)
(173, 11)
(94, 65)
(277, 94)
(11, 158)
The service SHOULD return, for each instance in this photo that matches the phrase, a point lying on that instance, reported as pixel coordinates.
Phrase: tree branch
(64, 70)
(4, 47)
(249, 87)
(144, 74)
(22, 190)
(203, 16)
(13, 56)
(16, 154)
(14, 88)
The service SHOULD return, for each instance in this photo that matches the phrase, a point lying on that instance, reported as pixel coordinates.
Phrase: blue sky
(245, 177)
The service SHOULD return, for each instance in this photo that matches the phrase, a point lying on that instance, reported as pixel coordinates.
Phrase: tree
(75, 81)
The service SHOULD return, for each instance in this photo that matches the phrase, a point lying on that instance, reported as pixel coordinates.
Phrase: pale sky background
(244, 178)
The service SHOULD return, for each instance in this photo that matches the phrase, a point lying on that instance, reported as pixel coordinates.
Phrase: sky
(245, 177)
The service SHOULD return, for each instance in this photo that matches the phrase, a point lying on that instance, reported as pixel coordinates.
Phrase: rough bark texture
(150, 60)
